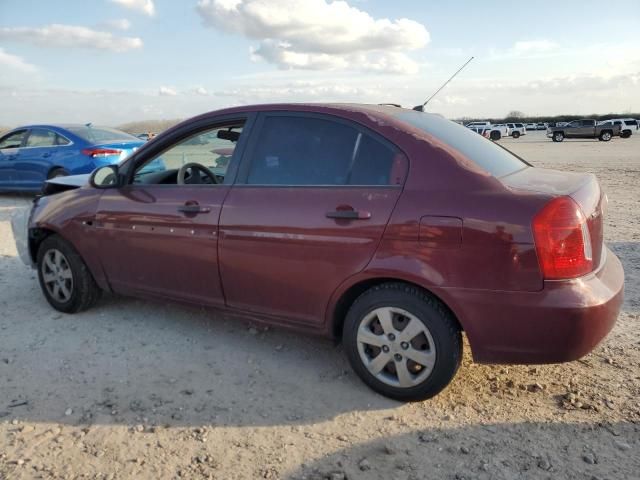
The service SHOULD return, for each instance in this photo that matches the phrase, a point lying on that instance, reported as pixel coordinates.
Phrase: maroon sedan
(393, 229)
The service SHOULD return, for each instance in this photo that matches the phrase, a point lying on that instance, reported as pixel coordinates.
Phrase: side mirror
(104, 177)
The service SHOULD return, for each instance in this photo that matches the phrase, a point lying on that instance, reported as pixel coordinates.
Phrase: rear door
(37, 157)
(312, 201)
(160, 238)
(587, 128)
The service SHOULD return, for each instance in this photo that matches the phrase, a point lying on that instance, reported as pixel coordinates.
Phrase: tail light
(101, 152)
(562, 239)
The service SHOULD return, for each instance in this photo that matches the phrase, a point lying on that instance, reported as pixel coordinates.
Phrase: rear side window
(630, 123)
(315, 151)
(486, 154)
(39, 137)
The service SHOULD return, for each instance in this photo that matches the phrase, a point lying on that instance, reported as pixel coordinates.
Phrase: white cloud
(143, 6)
(317, 35)
(167, 92)
(533, 46)
(117, 24)
(69, 36)
(201, 91)
(14, 62)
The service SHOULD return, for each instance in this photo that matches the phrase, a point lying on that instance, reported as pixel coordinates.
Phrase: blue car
(32, 154)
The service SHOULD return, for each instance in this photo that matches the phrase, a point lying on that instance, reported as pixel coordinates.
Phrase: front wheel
(495, 135)
(65, 280)
(515, 134)
(626, 134)
(402, 342)
(605, 136)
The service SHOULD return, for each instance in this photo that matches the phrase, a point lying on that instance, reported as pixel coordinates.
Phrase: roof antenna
(420, 108)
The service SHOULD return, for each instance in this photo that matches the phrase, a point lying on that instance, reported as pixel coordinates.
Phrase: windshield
(485, 153)
(101, 134)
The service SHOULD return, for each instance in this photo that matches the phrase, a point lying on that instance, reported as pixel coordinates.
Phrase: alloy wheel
(396, 347)
(57, 276)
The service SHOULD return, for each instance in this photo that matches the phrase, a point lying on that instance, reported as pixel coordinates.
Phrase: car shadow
(127, 360)
(629, 255)
(528, 450)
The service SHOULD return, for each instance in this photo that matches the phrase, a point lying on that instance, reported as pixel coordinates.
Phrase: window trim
(149, 151)
(29, 130)
(243, 174)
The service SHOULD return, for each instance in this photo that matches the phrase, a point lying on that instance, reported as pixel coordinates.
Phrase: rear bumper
(562, 322)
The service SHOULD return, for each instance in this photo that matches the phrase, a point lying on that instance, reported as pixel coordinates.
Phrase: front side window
(212, 149)
(13, 140)
(314, 151)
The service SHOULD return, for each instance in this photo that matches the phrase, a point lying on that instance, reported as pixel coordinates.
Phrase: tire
(515, 134)
(57, 172)
(59, 264)
(626, 134)
(558, 136)
(605, 136)
(436, 328)
(495, 135)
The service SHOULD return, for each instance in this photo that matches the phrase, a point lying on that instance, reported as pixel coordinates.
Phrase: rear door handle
(193, 208)
(349, 215)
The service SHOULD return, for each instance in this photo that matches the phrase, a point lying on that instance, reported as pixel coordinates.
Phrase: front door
(159, 233)
(37, 158)
(307, 212)
(9, 151)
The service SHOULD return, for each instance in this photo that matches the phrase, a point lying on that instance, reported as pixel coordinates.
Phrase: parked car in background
(504, 129)
(486, 129)
(406, 253)
(627, 125)
(531, 126)
(31, 154)
(583, 129)
(541, 126)
(517, 129)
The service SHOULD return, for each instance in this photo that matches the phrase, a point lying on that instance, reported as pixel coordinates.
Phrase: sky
(116, 61)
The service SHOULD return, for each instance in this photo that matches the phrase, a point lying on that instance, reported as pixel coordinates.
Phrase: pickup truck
(583, 129)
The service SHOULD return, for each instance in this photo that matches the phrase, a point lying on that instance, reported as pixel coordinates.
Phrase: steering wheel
(194, 174)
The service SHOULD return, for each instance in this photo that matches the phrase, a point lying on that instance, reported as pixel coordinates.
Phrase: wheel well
(36, 237)
(350, 296)
(53, 169)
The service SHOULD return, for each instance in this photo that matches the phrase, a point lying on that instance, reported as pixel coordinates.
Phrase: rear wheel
(558, 137)
(515, 134)
(402, 342)
(57, 172)
(495, 135)
(65, 280)
(605, 136)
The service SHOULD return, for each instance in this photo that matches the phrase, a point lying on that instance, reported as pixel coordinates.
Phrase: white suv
(517, 129)
(627, 125)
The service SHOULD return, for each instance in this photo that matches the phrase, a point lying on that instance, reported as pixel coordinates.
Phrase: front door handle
(193, 208)
(349, 215)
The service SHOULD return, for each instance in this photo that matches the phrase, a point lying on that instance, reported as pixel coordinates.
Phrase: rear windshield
(101, 134)
(494, 159)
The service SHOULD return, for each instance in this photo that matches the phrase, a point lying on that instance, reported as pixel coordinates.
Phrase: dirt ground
(133, 389)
